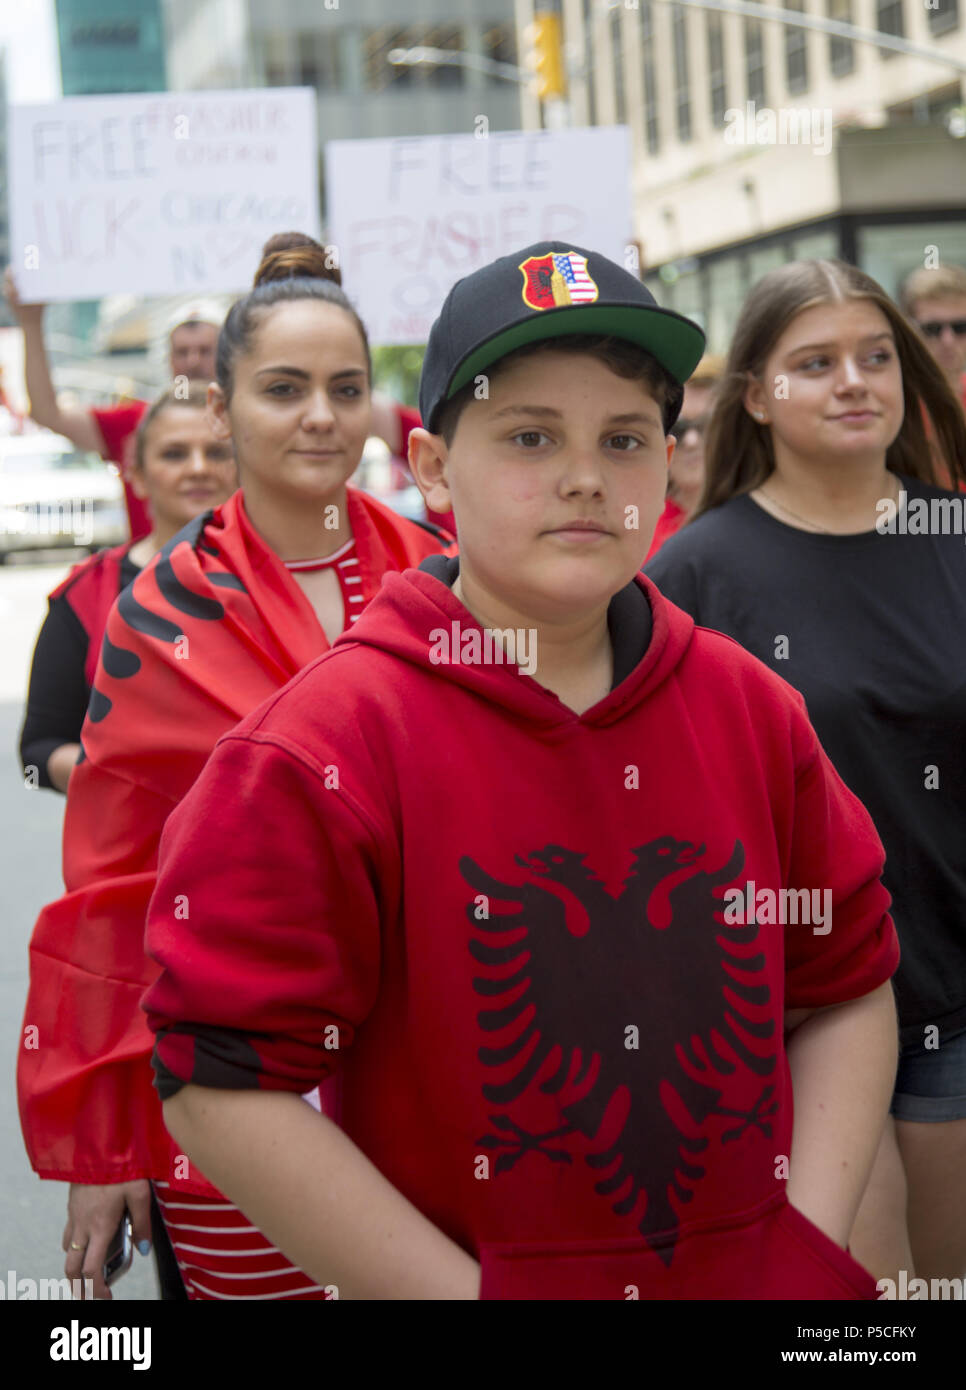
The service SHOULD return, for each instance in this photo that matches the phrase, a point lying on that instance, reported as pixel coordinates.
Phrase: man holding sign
(109, 430)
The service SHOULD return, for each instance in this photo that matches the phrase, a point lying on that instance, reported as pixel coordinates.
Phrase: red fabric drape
(206, 632)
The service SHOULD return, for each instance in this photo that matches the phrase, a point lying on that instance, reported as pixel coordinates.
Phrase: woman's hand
(93, 1215)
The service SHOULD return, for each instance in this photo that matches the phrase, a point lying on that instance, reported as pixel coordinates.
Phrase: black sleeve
(58, 693)
(674, 571)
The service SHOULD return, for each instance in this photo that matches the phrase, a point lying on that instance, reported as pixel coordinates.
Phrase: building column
(867, 71)
(666, 108)
(734, 58)
(773, 42)
(699, 75)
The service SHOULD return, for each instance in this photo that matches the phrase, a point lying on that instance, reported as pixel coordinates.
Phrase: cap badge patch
(557, 279)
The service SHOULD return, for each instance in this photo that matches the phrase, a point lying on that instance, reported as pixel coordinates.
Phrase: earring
(759, 414)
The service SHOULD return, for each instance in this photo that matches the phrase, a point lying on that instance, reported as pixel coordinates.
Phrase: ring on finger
(75, 1246)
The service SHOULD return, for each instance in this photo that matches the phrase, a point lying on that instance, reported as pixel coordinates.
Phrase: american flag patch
(573, 268)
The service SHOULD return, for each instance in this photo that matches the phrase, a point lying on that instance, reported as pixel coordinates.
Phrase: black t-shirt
(870, 628)
(58, 693)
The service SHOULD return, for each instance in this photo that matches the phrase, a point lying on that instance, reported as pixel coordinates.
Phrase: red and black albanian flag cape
(206, 632)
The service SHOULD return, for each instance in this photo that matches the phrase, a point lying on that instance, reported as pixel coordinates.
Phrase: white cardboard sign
(157, 193)
(411, 216)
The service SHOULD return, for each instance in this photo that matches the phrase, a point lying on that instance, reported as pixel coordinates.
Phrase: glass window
(766, 258)
(681, 289)
(651, 124)
(380, 74)
(317, 59)
(796, 55)
(726, 293)
(679, 24)
(278, 66)
(754, 62)
(499, 44)
(888, 254)
(376, 46)
(656, 285)
(443, 75)
(120, 33)
(889, 20)
(841, 55)
(816, 246)
(716, 68)
(944, 17)
(617, 54)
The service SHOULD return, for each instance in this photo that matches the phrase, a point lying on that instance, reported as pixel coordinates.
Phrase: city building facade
(754, 142)
(343, 51)
(110, 46)
(105, 47)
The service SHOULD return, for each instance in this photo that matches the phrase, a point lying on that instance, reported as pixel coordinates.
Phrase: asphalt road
(32, 1213)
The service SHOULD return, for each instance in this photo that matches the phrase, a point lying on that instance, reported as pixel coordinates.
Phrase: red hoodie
(549, 1038)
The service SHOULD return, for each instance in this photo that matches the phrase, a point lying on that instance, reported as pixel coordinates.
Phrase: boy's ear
(428, 457)
(216, 410)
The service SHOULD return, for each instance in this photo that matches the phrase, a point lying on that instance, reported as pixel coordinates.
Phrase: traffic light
(547, 55)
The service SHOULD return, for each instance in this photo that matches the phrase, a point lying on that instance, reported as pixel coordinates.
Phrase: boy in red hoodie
(561, 889)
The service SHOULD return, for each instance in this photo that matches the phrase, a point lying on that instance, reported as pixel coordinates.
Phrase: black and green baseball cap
(544, 291)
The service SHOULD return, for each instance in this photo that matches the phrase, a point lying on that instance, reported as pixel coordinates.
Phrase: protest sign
(157, 193)
(410, 216)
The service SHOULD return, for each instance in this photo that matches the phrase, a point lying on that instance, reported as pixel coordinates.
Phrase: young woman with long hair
(222, 617)
(823, 545)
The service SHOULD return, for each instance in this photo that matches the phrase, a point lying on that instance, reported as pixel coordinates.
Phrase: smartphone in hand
(120, 1252)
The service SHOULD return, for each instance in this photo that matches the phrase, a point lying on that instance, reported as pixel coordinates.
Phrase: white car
(53, 495)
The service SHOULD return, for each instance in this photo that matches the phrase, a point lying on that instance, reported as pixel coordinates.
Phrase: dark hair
(738, 452)
(192, 396)
(623, 358)
(293, 266)
(287, 254)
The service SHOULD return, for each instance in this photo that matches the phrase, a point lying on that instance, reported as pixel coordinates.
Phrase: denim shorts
(931, 1084)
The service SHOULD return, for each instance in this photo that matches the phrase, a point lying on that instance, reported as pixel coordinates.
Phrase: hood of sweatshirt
(417, 617)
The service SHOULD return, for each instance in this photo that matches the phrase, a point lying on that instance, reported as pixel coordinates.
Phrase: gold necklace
(812, 525)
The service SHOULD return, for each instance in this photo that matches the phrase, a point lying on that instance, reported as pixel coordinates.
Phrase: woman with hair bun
(222, 617)
(391, 422)
(825, 547)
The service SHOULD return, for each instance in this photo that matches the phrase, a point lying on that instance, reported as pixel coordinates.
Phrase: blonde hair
(924, 285)
(708, 372)
(738, 452)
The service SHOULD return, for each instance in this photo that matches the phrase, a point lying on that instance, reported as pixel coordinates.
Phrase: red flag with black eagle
(212, 627)
(91, 589)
